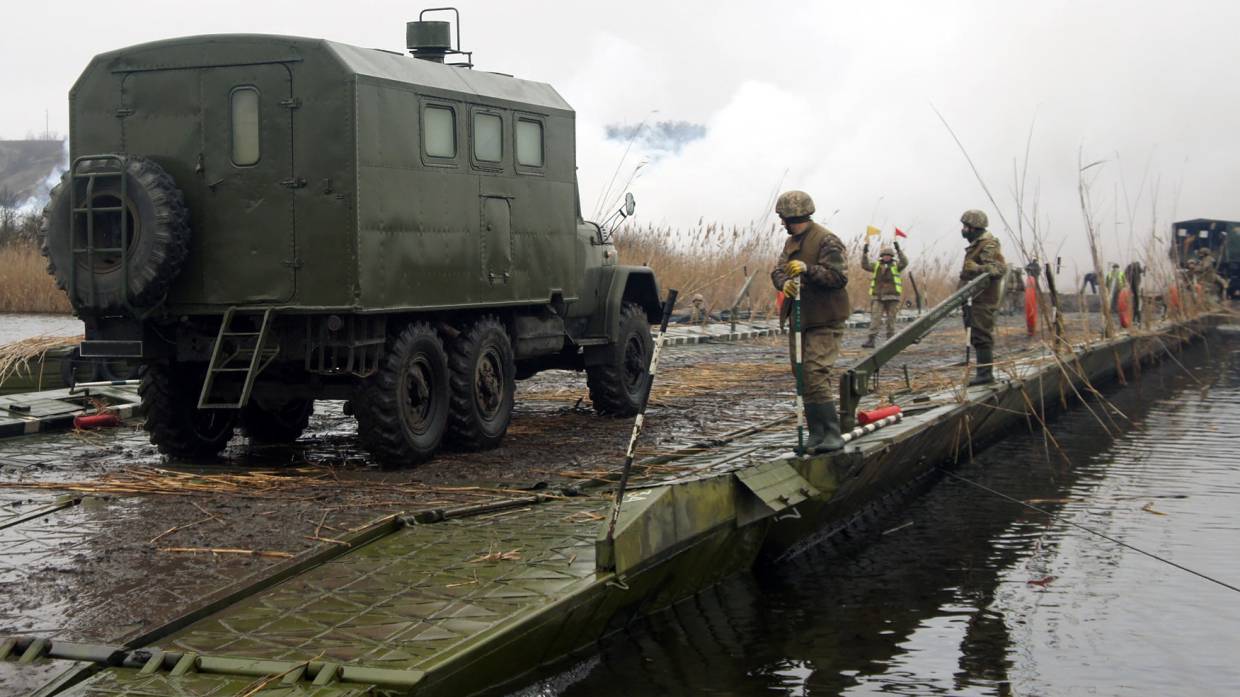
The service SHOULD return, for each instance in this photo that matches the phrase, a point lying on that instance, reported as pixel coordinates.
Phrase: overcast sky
(831, 97)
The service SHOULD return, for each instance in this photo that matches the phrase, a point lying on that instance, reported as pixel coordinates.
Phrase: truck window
(488, 137)
(439, 131)
(529, 143)
(245, 126)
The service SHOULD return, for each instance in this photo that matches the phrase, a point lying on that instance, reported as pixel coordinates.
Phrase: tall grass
(25, 285)
(713, 260)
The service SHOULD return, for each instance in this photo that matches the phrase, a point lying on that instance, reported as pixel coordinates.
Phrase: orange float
(1124, 308)
(1031, 309)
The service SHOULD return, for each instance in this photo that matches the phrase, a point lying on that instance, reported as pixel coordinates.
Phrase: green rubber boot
(829, 426)
(985, 366)
(813, 419)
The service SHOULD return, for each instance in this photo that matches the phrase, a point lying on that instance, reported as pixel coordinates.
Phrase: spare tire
(157, 228)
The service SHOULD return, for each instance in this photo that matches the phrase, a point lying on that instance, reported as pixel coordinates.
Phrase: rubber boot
(985, 366)
(869, 343)
(813, 419)
(830, 429)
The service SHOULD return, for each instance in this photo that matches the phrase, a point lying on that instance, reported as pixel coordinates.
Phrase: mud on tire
(483, 380)
(176, 425)
(617, 384)
(159, 237)
(284, 424)
(402, 410)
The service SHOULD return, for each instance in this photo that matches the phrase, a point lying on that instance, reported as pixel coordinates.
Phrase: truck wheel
(402, 410)
(283, 424)
(177, 426)
(158, 234)
(483, 384)
(617, 384)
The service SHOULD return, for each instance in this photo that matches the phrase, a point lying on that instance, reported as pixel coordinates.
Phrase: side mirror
(630, 204)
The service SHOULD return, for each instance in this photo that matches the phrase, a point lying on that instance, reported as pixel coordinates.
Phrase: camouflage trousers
(819, 349)
(884, 310)
(983, 326)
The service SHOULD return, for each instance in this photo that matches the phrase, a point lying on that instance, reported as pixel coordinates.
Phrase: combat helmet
(975, 219)
(794, 204)
(886, 252)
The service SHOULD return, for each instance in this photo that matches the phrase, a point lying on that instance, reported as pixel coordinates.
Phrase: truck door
(246, 220)
(496, 239)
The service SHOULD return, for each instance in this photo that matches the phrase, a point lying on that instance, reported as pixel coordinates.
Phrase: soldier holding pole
(813, 264)
(982, 256)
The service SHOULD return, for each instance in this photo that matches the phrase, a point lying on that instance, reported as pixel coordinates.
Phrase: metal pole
(641, 412)
(798, 365)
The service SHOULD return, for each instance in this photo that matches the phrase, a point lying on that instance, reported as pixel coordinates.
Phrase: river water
(971, 594)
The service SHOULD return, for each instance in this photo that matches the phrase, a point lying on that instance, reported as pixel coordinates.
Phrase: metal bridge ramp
(419, 598)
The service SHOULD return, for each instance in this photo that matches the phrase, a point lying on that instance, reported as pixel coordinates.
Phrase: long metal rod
(798, 366)
(641, 412)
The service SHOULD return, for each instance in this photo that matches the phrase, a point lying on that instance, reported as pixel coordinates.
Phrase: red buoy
(866, 417)
(104, 420)
(1031, 309)
(1124, 308)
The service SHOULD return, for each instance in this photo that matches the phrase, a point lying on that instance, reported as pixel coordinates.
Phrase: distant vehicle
(1221, 237)
(269, 220)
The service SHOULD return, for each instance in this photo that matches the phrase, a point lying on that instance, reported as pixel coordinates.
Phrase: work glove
(972, 267)
(865, 248)
(794, 268)
(896, 244)
(791, 287)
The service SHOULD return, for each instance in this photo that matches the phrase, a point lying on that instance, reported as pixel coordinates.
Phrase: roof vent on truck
(432, 40)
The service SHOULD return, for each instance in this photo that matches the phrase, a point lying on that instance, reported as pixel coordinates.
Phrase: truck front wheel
(483, 384)
(176, 425)
(402, 410)
(618, 383)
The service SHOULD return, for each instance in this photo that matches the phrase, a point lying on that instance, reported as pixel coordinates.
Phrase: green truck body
(293, 205)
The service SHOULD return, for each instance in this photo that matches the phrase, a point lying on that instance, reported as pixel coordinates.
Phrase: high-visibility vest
(1114, 278)
(895, 276)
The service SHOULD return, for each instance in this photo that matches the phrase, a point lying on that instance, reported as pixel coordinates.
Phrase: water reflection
(980, 596)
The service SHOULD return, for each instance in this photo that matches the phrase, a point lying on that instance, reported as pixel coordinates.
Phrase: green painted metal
(855, 382)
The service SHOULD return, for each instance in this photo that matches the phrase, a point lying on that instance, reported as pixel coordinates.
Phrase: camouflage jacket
(983, 256)
(824, 300)
(884, 284)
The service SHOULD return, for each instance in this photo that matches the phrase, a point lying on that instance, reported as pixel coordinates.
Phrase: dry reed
(25, 285)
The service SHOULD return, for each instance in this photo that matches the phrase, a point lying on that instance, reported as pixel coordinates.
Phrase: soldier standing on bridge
(982, 256)
(886, 287)
(1212, 286)
(816, 256)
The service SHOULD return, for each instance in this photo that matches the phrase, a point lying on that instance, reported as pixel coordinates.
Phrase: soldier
(1014, 290)
(886, 287)
(1134, 271)
(697, 311)
(1212, 286)
(982, 256)
(1091, 281)
(815, 256)
(1114, 282)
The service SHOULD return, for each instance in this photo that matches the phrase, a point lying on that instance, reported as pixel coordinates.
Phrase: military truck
(1221, 237)
(269, 220)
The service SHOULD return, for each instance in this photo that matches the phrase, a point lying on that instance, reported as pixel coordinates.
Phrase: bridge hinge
(291, 103)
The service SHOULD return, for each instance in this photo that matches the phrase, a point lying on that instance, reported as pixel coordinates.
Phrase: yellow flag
(871, 231)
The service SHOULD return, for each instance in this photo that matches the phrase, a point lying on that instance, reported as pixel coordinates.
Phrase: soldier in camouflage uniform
(982, 256)
(1213, 287)
(886, 287)
(815, 256)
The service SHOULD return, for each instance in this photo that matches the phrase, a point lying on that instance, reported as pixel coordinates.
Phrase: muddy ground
(114, 566)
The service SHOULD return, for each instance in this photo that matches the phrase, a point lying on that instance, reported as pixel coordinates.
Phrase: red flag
(901, 233)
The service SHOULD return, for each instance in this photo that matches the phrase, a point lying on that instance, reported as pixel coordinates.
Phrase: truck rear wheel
(618, 383)
(402, 410)
(176, 425)
(283, 424)
(483, 385)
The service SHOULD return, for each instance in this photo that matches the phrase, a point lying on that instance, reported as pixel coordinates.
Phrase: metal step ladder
(237, 352)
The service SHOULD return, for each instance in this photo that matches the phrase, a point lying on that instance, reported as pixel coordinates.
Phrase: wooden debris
(229, 550)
